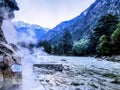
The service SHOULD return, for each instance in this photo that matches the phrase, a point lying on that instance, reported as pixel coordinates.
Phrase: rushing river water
(79, 73)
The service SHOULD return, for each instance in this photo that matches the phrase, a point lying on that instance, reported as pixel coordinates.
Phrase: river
(79, 73)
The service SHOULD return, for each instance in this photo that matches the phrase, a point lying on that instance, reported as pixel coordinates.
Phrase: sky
(49, 13)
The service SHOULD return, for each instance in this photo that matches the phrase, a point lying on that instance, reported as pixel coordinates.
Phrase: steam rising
(28, 59)
(9, 31)
(27, 39)
(6, 14)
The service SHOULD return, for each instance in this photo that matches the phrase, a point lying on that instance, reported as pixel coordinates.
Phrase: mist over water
(28, 60)
(9, 31)
(28, 79)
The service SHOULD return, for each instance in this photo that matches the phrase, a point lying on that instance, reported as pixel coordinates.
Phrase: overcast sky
(49, 13)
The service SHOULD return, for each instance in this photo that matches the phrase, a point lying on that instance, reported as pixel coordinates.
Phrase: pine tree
(103, 47)
(115, 40)
(106, 26)
(67, 41)
(46, 45)
(55, 49)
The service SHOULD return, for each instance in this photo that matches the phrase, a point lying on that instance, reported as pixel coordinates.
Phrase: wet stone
(56, 67)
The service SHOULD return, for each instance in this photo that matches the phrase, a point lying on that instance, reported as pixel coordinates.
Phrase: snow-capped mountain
(29, 32)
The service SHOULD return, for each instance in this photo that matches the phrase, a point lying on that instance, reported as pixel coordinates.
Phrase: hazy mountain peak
(29, 32)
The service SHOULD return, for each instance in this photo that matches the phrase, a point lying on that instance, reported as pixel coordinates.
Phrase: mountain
(29, 32)
(82, 25)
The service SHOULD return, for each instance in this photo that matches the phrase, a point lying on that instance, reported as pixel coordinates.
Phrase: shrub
(103, 47)
(81, 47)
(115, 40)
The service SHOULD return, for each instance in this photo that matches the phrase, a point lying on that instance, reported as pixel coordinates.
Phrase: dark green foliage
(108, 46)
(92, 45)
(55, 49)
(46, 45)
(58, 49)
(64, 45)
(81, 47)
(106, 26)
(67, 41)
(115, 40)
(104, 47)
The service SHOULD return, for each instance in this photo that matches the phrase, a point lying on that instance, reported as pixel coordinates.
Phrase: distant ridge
(30, 31)
(82, 25)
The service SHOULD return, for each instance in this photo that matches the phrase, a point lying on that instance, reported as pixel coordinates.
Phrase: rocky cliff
(8, 55)
(82, 25)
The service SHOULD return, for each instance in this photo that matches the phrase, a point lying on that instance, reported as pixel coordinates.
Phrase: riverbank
(114, 58)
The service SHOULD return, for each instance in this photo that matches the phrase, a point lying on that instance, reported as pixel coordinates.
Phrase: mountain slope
(82, 25)
(29, 32)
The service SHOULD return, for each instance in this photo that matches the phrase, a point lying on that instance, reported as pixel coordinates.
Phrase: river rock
(112, 58)
(116, 81)
(50, 66)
